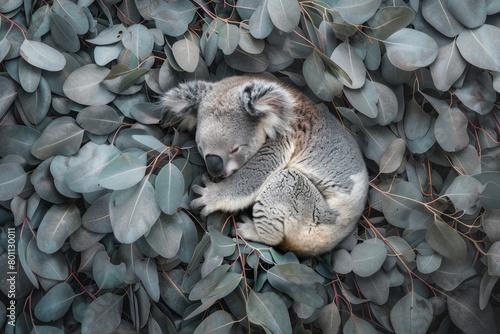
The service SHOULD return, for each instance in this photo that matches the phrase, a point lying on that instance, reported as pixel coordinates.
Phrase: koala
(273, 152)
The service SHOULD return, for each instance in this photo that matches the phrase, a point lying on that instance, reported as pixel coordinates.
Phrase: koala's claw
(197, 189)
(207, 200)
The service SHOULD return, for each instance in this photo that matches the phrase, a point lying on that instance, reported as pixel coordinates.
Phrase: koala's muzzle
(215, 165)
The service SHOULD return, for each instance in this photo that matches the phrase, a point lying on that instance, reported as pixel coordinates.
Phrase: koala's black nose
(215, 165)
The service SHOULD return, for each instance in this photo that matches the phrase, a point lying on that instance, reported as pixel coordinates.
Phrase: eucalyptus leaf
(465, 313)
(464, 192)
(357, 11)
(62, 137)
(189, 238)
(84, 167)
(103, 314)
(106, 274)
(223, 245)
(403, 207)
(320, 78)
(55, 303)
(297, 281)
(56, 226)
(133, 211)
(393, 156)
(243, 61)
(64, 34)
(138, 40)
(124, 171)
(375, 287)
(387, 20)
(357, 325)
(479, 46)
(219, 322)
(285, 14)
(345, 57)
(437, 13)
(416, 121)
(411, 314)
(493, 257)
(8, 93)
(42, 55)
(428, 264)
(165, 235)
(452, 273)
(446, 240)
(488, 283)
(147, 272)
(35, 105)
(169, 188)
(477, 92)
(110, 35)
(268, 310)
(72, 13)
(410, 49)
(260, 24)
(12, 180)
(50, 266)
(368, 258)
(99, 120)
(186, 54)
(84, 86)
(229, 38)
(170, 21)
(364, 100)
(471, 15)
(29, 76)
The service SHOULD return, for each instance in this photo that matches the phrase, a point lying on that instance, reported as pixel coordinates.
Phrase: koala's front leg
(239, 191)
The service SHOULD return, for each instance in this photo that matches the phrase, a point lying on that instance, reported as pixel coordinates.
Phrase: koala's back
(329, 156)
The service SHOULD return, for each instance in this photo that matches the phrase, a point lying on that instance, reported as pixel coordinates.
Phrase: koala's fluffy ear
(272, 103)
(180, 105)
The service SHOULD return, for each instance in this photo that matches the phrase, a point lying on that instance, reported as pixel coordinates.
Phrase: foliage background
(98, 194)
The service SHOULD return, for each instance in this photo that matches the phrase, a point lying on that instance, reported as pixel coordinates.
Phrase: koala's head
(233, 118)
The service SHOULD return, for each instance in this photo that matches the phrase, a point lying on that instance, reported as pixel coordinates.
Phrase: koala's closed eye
(234, 150)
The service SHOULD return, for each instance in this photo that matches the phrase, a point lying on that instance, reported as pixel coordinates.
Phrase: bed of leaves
(97, 194)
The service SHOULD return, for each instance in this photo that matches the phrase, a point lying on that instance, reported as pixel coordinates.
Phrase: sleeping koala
(296, 166)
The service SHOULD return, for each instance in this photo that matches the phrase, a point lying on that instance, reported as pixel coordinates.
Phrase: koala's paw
(207, 202)
(246, 229)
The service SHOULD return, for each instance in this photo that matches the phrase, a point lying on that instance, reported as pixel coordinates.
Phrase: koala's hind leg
(290, 212)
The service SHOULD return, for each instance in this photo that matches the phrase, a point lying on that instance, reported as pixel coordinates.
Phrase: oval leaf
(42, 56)
(99, 120)
(12, 180)
(410, 49)
(61, 137)
(446, 240)
(124, 171)
(133, 211)
(411, 314)
(50, 266)
(451, 130)
(186, 54)
(367, 258)
(84, 86)
(55, 303)
(268, 310)
(103, 315)
(481, 46)
(169, 187)
(285, 14)
(56, 226)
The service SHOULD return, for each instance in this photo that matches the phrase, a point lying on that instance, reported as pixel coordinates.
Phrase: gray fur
(297, 167)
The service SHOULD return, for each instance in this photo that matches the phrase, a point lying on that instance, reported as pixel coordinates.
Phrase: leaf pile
(98, 194)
